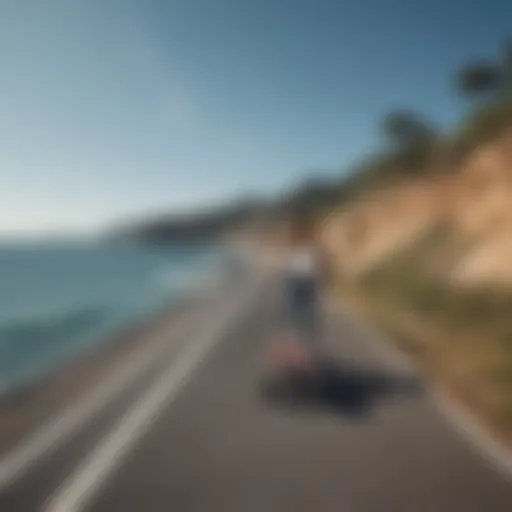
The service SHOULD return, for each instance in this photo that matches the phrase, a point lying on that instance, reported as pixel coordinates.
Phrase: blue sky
(111, 109)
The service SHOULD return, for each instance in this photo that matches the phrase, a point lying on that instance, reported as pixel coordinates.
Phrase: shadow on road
(340, 388)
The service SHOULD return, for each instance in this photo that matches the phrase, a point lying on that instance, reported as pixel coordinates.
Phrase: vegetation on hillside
(414, 146)
(484, 78)
(207, 224)
(461, 336)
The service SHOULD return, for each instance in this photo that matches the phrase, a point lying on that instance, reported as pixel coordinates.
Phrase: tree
(313, 194)
(479, 78)
(486, 77)
(412, 140)
(405, 128)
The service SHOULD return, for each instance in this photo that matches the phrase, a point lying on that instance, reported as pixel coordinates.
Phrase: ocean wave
(96, 292)
(36, 334)
(175, 280)
(51, 320)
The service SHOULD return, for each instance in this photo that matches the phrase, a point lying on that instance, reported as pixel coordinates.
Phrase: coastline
(25, 407)
(60, 301)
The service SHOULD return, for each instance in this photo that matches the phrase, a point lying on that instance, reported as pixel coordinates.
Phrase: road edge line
(461, 419)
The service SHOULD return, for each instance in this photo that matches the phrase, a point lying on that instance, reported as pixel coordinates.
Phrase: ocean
(59, 299)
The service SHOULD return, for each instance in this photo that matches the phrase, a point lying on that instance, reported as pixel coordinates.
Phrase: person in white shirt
(303, 276)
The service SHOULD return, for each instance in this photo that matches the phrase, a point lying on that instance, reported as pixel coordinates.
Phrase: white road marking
(458, 416)
(468, 425)
(82, 485)
(60, 428)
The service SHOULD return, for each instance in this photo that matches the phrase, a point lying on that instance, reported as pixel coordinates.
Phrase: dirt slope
(474, 200)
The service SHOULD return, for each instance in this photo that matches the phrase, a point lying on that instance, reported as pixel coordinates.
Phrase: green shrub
(485, 123)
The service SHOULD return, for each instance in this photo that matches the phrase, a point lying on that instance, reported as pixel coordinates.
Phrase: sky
(115, 109)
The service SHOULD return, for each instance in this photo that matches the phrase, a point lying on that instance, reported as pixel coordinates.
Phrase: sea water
(59, 299)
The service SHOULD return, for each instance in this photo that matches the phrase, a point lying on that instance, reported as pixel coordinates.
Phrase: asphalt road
(213, 442)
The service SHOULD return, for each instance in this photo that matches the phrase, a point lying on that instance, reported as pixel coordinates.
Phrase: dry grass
(462, 339)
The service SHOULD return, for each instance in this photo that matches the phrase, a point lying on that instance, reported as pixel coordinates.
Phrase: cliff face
(474, 201)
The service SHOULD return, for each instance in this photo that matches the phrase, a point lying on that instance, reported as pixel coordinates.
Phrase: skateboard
(290, 371)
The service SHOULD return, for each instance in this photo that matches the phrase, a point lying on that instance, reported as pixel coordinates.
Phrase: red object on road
(289, 353)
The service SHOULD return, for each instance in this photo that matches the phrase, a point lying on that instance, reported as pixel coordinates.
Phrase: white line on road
(58, 429)
(81, 486)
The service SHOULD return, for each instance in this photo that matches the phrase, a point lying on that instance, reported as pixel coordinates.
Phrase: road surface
(193, 433)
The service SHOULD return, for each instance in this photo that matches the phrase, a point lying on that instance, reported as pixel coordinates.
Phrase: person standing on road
(304, 269)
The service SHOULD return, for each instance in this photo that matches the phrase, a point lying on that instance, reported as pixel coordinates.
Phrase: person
(304, 269)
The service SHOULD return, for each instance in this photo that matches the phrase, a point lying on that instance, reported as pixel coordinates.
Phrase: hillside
(475, 203)
(207, 224)
(429, 261)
